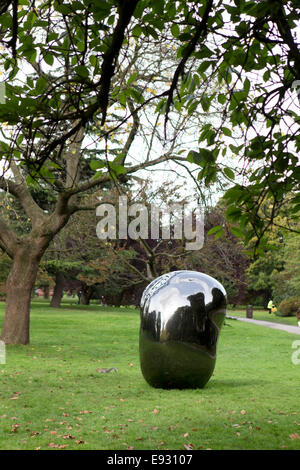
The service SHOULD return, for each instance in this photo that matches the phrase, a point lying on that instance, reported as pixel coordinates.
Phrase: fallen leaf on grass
(294, 436)
(55, 446)
(15, 396)
(15, 427)
(188, 446)
(79, 441)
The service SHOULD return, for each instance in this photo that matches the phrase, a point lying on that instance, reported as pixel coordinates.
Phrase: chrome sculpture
(182, 313)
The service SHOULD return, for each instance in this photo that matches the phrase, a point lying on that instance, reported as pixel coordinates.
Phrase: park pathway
(295, 330)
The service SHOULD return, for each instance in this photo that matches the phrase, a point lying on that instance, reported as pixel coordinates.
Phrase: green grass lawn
(53, 398)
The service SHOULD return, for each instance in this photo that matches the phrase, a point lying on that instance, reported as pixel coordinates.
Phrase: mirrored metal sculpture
(182, 313)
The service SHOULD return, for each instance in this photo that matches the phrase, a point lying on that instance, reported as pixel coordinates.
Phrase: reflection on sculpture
(182, 313)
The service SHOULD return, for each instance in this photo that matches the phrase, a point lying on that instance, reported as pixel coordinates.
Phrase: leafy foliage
(252, 57)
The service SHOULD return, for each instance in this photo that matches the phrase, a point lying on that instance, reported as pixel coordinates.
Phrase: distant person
(270, 306)
(298, 316)
(79, 293)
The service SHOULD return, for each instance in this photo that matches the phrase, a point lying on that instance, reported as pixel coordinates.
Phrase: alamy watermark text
(134, 221)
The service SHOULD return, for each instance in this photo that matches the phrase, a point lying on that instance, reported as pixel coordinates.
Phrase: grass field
(53, 398)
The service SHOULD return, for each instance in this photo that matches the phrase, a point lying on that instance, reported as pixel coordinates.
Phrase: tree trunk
(46, 290)
(86, 295)
(19, 285)
(58, 290)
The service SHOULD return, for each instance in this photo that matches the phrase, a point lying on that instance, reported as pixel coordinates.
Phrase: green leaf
(229, 173)
(93, 60)
(207, 155)
(236, 150)
(247, 85)
(122, 98)
(48, 58)
(296, 173)
(226, 131)
(233, 213)
(158, 6)
(215, 229)
(204, 66)
(222, 98)
(132, 78)
(205, 103)
(82, 71)
(219, 234)
(117, 169)
(137, 31)
(194, 157)
(101, 10)
(237, 232)
(136, 95)
(234, 194)
(63, 9)
(96, 164)
(41, 84)
(175, 30)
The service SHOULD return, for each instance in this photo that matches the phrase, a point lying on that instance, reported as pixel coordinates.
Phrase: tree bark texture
(58, 290)
(19, 285)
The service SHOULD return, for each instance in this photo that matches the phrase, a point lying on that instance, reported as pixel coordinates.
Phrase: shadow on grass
(74, 306)
(234, 383)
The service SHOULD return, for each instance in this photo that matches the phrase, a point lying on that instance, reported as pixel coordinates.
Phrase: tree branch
(8, 239)
(133, 132)
(200, 29)
(21, 191)
(126, 10)
(106, 176)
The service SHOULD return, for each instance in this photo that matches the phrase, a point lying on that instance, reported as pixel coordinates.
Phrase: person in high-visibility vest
(298, 316)
(270, 306)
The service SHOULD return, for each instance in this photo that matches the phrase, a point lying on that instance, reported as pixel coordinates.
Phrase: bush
(289, 307)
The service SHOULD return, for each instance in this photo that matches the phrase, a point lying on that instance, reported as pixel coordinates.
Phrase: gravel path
(295, 330)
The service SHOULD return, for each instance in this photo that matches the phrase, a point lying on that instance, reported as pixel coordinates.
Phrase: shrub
(289, 307)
